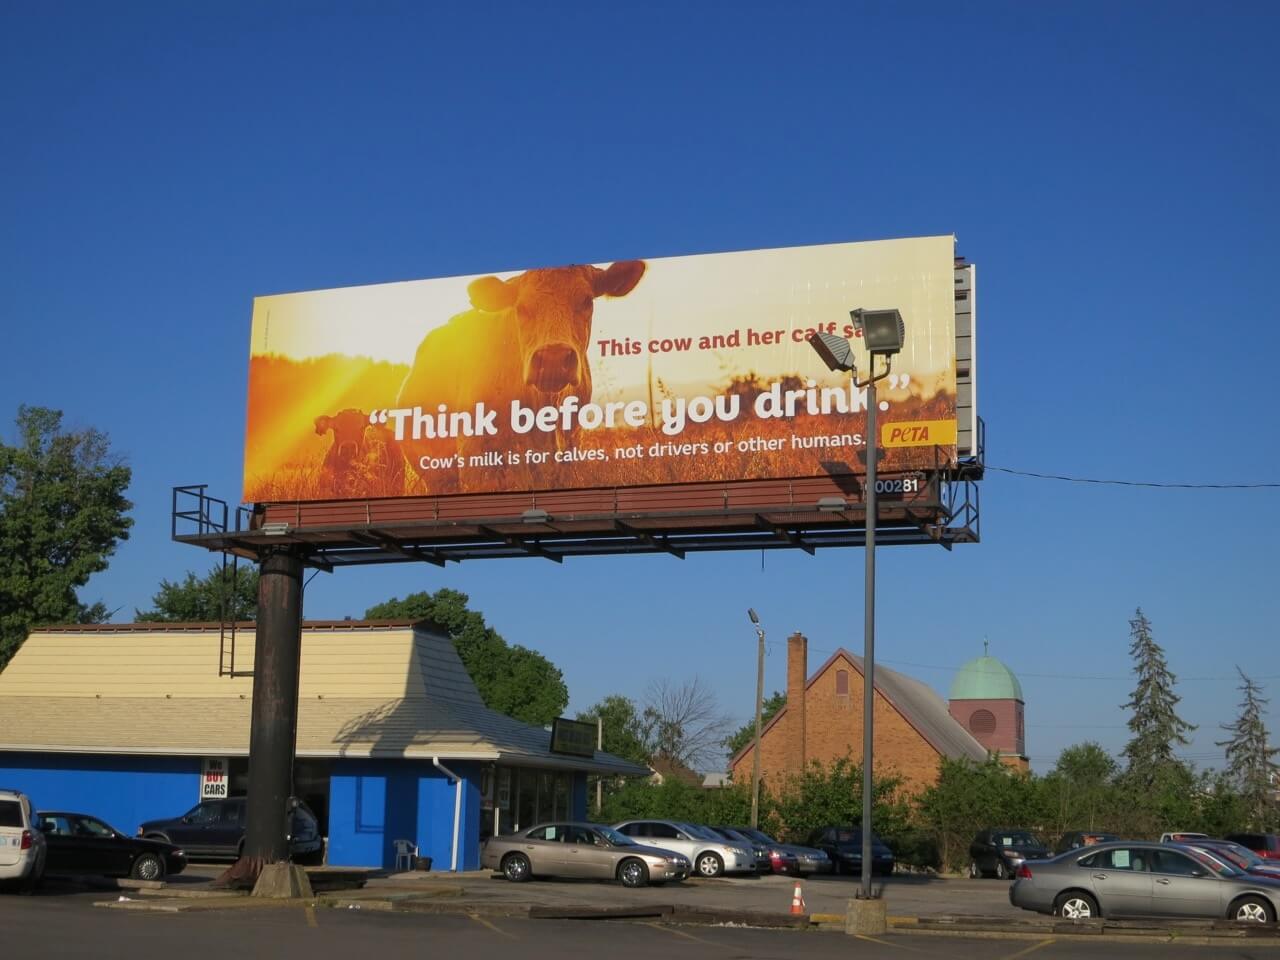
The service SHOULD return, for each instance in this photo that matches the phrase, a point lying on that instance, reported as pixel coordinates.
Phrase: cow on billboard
(524, 339)
(360, 460)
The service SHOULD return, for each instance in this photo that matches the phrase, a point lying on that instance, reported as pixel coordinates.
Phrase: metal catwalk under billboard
(636, 372)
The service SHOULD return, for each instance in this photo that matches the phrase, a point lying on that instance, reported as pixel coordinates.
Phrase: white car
(710, 854)
(22, 843)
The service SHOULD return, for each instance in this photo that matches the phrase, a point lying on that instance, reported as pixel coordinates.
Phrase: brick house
(914, 727)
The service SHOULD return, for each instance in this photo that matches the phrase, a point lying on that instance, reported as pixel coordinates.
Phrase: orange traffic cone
(798, 907)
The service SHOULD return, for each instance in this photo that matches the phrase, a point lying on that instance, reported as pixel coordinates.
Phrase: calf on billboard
(635, 372)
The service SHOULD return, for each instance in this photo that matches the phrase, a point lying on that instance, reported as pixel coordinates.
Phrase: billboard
(627, 373)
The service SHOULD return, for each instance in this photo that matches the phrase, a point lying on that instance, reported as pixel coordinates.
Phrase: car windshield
(1016, 838)
(1236, 856)
(702, 833)
(761, 837)
(614, 837)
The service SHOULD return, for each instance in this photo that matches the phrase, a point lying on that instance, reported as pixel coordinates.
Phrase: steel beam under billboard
(638, 373)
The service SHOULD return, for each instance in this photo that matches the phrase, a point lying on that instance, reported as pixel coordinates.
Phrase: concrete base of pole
(866, 918)
(283, 881)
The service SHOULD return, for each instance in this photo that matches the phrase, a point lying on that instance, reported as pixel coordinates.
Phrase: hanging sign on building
(573, 737)
(214, 778)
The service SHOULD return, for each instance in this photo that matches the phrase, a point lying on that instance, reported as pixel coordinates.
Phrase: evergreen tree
(1154, 723)
(1251, 763)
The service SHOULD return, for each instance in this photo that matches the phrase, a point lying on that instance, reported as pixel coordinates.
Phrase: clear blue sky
(1111, 168)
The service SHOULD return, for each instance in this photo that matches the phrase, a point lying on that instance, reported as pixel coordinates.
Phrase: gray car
(1134, 879)
(710, 853)
(588, 851)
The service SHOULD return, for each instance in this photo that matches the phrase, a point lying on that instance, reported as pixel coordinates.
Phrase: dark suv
(1002, 852)
(215, 829)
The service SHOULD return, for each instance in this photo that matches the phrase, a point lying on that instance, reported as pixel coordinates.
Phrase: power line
(1135, 483)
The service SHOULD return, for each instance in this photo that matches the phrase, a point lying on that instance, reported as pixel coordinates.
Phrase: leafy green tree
(511, 679)
(746, 734)
(969, 797)
(1154, 722)
(826, 794)
(221, 594)
(1251, 761)
(622, 728)
(1077, 791)
(673, 799)
(62, 512)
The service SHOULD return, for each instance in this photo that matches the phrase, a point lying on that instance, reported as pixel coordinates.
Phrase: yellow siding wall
(368, 663)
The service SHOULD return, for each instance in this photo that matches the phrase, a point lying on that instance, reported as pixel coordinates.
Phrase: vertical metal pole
(869, 637)
(755, 763)
(275, 707)
(599, 777)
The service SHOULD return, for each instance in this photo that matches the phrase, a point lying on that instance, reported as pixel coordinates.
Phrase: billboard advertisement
(623, 373)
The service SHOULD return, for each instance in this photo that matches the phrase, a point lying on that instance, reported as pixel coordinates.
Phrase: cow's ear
(323, 424)
(491, 294)
(619, 280)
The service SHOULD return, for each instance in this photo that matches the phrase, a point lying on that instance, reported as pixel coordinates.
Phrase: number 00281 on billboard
(627, 373)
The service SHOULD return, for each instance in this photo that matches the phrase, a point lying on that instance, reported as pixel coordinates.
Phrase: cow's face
(348, 434)
(553, 310)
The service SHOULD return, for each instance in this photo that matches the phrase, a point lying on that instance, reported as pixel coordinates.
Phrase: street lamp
(883, 332)
(755, 763)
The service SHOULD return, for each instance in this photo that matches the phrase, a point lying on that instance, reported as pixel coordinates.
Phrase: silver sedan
(1134, 879)
(585, 850)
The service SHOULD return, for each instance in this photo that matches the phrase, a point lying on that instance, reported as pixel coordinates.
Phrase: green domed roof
(985, 678)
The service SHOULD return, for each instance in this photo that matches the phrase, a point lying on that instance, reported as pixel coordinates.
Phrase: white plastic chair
(406, 853)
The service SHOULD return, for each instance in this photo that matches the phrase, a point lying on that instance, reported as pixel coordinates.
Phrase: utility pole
(755, 763)
(599, 778)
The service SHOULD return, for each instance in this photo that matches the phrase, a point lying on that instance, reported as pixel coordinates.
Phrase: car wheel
(1002, 872)
(1251, 909)
(1075, 905)
(974, 872)
(516, 867)
(633, 873)
(32, 883)
(710, 865)
(147, 867)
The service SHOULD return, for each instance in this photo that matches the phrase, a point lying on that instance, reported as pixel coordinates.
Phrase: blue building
(137, 722)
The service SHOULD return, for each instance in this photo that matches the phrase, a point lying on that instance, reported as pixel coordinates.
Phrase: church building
(914, 727)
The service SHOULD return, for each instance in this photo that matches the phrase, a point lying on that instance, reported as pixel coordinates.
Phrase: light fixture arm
(888, 367)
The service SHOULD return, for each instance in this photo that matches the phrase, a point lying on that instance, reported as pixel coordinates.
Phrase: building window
(842, 683)
(982, 723)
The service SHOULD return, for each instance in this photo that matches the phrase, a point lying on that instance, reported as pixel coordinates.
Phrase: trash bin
(422, 863)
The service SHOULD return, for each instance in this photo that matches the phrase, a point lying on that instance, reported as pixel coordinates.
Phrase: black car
(844, 846)
(214, 829)
(77, 843)
(999, 853)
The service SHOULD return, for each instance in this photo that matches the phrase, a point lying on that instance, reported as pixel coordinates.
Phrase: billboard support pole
(273, 731)
(869, 637)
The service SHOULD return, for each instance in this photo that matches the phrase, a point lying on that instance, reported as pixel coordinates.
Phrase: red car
(1265, 845)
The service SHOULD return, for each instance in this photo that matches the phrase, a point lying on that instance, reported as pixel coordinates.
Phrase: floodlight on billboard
(624, 374)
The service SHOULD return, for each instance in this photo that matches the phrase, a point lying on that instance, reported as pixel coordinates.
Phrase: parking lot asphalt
(905, 895)
(66, 926)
